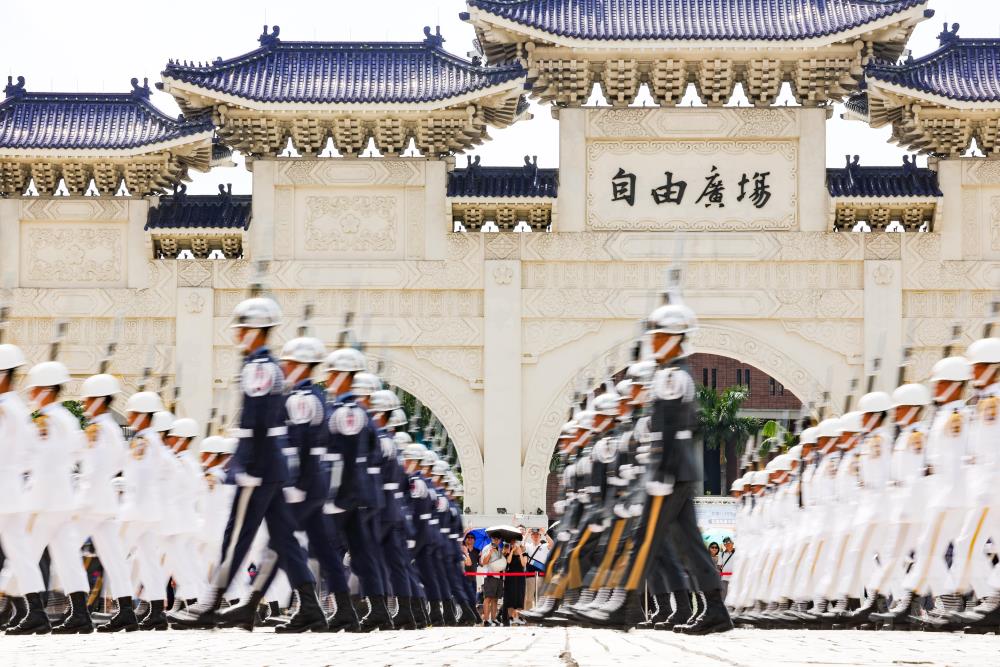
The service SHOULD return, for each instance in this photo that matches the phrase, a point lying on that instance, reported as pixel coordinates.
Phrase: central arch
(738, 343)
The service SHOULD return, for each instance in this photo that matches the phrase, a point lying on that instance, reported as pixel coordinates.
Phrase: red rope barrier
(505, 574)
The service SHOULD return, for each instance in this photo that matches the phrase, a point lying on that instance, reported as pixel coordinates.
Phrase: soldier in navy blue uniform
(393, 538)
(423, 502)
(450, 559)
(412, 525)
(356, 504)
(260, 470)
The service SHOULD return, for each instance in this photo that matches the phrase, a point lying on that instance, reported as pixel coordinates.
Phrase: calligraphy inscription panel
(713, 185)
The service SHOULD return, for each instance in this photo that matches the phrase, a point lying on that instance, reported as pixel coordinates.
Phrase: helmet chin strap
(910, 414)
(989, 376)
(951, 391)
(133, 423)
(295, 375)
(673, 341)
(36, 402)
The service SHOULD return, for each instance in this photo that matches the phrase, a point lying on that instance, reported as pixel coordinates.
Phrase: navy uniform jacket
(306, 416)
(373, 465)
(423, 505)
(350, 434)
(392, 479)
(262, 428)
(672, 425)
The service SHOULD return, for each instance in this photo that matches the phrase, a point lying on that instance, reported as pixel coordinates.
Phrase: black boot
(377, 617)
(622, 610)
(243, 615)
(450, 617)
(124, 618)
(404, 619)
(345, 618)
(714, 617)
(309, 617)
(17, 609)
(78, 621)
(202, 615)
(419, 608)
(680, 613)
(34, 622)
(659, 610)
(468, 616)
(435, 615)
(157, 617)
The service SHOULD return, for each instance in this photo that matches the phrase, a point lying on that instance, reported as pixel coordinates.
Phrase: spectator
(537, 551)
(471, 555)
(726, 562)
(513, 586)
(492, 559)
(713, 551)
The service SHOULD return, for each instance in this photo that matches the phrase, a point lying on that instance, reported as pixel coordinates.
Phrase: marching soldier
(260, 471)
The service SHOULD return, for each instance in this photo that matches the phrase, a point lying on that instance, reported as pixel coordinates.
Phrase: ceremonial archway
(800, 375)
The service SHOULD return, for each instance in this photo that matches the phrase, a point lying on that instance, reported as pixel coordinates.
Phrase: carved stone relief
(63, 254)
(343, 223)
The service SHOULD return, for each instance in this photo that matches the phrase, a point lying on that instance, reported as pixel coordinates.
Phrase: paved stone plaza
(486, 647)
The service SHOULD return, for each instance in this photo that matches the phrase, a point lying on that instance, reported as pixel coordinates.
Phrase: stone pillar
(262, 228)
(814, 198)
(195, 310)
(953, 216)
(883, 323)
(572, 202)
(10, 242)
(140, 251)
(502, 393)
(437, 225)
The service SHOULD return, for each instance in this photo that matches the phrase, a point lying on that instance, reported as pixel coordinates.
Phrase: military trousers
(359, 527)
(309, 518)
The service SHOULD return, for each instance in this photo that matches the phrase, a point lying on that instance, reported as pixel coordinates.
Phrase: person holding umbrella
(493, 560)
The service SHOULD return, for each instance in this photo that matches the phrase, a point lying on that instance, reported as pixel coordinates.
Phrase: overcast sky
(99, 45)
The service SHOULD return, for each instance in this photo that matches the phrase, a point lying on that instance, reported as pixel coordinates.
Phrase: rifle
(956, 332)
(307, 314)
(111, 349)
(147, 370)
(62, 326)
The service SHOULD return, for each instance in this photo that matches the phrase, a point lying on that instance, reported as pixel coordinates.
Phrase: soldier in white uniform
(103, 459)
(215, 453)
(183, 494)
(820, 498)
(17, 437)
(51, 499)
(142, 505)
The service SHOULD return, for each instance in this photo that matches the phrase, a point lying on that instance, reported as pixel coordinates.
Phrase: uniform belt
(443, 530)
(361, 459)
(242, 433)
(434, 522)
(683, 435)
(277, 430)
(289, 451)
(398, 494)
(332, 457)
(424, 516)
(374, 470)
(390, 486)
(317, 451)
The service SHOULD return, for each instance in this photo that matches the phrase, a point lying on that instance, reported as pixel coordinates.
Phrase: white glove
(243, 479)
(411, 544)
(659, 488)
(330, 508)
(622, 512)
(293, 495)
(559, 506)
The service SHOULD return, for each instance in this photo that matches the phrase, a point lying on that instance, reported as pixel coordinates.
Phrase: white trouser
(105, 533)
(147, 552)
(971, 567)
(859, 563)
(178, 551)
(57, 531)
(929, 573)
(21, 572)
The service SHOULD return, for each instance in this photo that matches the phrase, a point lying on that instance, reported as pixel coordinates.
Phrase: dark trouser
(666, 574)
(672, 518)
(397, 558)
(310, 518)
(443, 581)
(253, 505)
(424, 560)
(456, 572)
(358, 527)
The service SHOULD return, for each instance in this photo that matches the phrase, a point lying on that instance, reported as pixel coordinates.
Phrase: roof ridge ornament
(947, 37)
(226, 191)
(433, 40)
(12, 89)
(140, 92)
(269, 39)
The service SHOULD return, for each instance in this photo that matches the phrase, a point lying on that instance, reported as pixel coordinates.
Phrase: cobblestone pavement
(486, 647)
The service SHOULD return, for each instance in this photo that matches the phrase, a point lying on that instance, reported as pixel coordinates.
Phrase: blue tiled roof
(345, 72)
(905, 181)
(72, 121)
(694, 19)
(858, 104)
(503, 182)
(183, 211)
(965, 70)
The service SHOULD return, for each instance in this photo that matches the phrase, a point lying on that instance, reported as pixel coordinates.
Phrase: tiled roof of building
(503, 182)
(965, 70)
(345, 72)
(183, 211)
(87, 121)
(777, 20)
(905, 181)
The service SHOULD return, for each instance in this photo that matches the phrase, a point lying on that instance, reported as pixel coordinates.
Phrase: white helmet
(47, 374)
(345, 360)
(568, 430)
(829, 428)
(585, 420)
(366, 384)
(795, 453)
(759, 478)
(162, 421)
(911, 394)
(11, 356)
(739, 484)
(876, 401)
(99, 386)
(607, 404)
(185, 427)
(642, 371)
(414, 452)
(144, 402)
(672, 319)
(809, 436)
(440, 469)
(984, 351)
(256, 313)
(213, 444)
(403, 440)
(230, 445)
(782, 463)
(382, 400)
(397, 418)
(851, 423)
(624, 388)
(304, 350)
(429, 459)
(953, 369)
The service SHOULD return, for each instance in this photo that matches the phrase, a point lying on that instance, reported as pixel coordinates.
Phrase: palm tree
(777, 438)
(723, 428)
